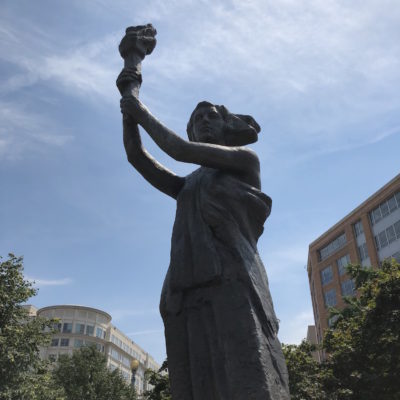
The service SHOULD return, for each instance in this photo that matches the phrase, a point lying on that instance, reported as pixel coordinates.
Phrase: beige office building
(79, 326)
(368, 235)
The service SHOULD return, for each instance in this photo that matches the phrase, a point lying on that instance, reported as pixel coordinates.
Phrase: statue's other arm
(155, 173)
(240, 160)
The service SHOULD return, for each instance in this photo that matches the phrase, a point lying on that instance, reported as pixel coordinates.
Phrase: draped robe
(220, 326)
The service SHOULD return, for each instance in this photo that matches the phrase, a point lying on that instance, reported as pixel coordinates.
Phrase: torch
(138, 42)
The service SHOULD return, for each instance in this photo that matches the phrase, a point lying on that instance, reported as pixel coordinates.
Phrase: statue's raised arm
(138, 42)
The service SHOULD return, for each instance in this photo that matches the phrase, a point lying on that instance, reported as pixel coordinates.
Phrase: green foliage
(20, 336)
(307, 377)
(40, 386)
(364, 345)
(85, 376)
(160, 382)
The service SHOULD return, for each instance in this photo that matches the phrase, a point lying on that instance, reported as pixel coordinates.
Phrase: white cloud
(49, 282)
(285, 264)
(330, 68)
(22, 130)
(88, 70)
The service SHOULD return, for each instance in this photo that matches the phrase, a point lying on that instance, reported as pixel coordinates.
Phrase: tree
(160, 382)
(307, 377)
(20, 337)
(364, 344)
(85, 376)
(362, 347)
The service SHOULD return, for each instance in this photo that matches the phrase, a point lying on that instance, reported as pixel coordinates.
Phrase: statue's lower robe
(220, 325)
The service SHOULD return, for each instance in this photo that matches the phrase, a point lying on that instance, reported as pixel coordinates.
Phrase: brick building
(368, 235)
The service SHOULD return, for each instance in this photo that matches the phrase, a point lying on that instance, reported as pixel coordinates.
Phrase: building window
(99, 332)
(54, 342)
(342, 263)
(89, 330)
(348, 288)
(125, 361)
(80, 328)
(391, 234)
(397, 229)
(78, 343)
(358, 228)
(64, 342)
(376, 215)
(330, 298)
(392, 204)
(381, 239)
(385, 208)
(326, 275)
(363, 251)
(67, 327)
(115, 354)
(397, 195)
(332, 247)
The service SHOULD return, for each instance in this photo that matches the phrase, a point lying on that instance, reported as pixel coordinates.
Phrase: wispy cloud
(327, 66)
(49, 282)
(22, 130)
(87, 69)
(286, 263)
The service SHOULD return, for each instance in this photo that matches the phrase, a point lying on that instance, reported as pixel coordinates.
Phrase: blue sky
(322, 78)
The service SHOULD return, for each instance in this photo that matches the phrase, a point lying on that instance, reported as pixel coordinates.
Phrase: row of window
(64, 342)
(327, 272)
(332, 247)
(120, 357)
(387, 236)
(385, 208)
(118, 342)
(348, 289)
(80, 329)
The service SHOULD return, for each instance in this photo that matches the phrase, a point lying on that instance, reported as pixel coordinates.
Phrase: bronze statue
(220, 326)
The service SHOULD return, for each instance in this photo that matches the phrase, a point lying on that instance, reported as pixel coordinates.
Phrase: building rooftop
(355, 211)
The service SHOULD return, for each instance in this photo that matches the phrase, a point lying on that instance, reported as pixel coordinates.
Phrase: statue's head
(210, 123)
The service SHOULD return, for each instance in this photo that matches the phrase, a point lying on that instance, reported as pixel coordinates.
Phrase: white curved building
(79, 326)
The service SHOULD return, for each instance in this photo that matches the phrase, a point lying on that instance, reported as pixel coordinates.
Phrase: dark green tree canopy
(160, 382)
(363, 346)
(20, 337)
(85, 376)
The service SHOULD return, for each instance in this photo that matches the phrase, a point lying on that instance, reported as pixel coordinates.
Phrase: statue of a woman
(220, 326)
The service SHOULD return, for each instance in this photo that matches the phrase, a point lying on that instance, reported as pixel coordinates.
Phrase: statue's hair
(239, 129)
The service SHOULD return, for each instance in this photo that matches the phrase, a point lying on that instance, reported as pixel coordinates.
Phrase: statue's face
(208, 126)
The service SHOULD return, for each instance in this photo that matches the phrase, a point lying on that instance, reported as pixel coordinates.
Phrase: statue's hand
(133, 107)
